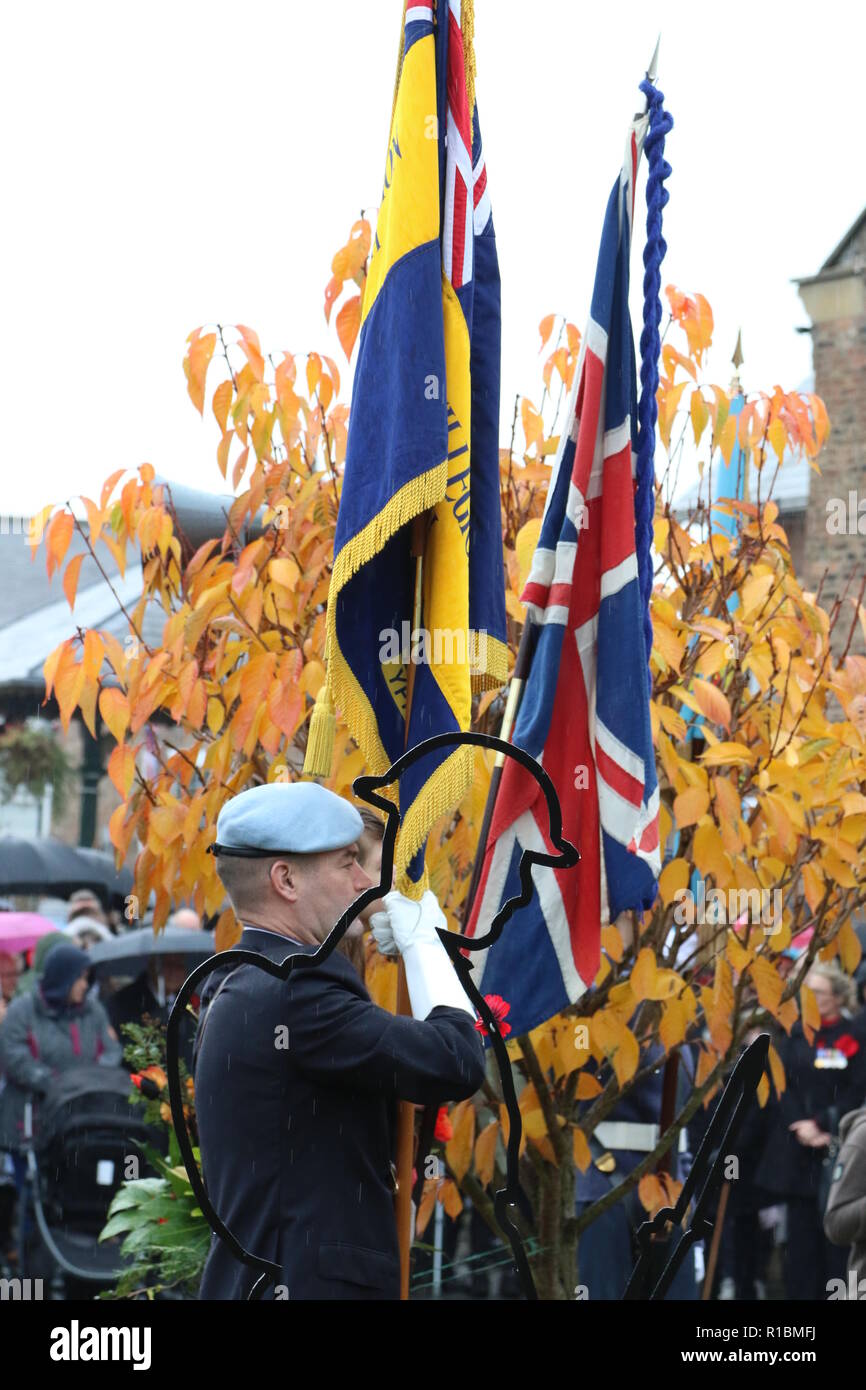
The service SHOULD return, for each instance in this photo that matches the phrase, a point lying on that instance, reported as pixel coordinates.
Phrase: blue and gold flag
(423, 442)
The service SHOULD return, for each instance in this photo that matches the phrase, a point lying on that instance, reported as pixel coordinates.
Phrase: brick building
(835, 541)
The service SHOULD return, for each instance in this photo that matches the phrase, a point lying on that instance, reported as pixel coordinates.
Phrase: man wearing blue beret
(296, 1080)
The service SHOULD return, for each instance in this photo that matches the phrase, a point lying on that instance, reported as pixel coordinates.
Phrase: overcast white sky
(171, 165)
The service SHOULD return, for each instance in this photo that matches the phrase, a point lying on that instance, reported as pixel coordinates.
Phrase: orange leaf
(348, 324)
(252, 348)
(94, 653)
(449, 1196)
(114, 708)
(57, 539)
(714, 704)
(426, 1205)
(70, 579)
(582, 1154)
(222, 399)
(68, 685)
(545, 328)
(195, 366)
(690, 805)
(485, 1152)
(458, 1150)
(332, 290)
(108, 486)
(121, 768)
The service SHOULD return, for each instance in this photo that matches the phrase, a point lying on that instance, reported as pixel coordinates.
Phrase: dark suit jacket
(295, 1088)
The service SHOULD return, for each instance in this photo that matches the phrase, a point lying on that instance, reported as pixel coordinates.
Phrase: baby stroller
(77, 1156)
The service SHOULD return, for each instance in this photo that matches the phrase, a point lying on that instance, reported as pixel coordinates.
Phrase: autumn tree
(774, 799)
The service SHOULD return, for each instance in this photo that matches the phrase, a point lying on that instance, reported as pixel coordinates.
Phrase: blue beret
(290, 817)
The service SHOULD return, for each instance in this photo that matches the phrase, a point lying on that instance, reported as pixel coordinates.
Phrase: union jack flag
(585, 709)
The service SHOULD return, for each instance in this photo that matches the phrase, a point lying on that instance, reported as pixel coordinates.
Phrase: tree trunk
(555, 1266)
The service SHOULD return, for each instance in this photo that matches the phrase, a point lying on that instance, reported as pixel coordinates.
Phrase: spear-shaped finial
(651, 72)
(654, 62)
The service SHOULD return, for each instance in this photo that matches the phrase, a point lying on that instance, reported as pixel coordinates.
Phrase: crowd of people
(794, 1214)
(54, 1016)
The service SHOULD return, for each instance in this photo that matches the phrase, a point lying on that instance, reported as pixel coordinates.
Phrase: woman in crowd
(823, 1081)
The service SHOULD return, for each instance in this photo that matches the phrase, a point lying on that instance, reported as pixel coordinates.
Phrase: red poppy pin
(499, 1007)
(847, 1045)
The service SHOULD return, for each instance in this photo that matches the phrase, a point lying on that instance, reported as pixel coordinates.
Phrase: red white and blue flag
(585, 709)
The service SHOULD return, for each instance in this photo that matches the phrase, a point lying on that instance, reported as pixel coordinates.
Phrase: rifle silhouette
(738, 1093)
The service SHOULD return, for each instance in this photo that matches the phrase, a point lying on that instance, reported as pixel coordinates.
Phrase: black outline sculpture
(506, 1198)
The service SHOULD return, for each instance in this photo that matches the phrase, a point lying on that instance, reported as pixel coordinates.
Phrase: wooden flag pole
(512, 704)
(405, 1144)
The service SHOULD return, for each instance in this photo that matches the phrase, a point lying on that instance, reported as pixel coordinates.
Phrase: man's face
(327, 886)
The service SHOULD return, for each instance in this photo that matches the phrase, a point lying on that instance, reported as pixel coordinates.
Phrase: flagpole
(512, 705)
(405, 1138)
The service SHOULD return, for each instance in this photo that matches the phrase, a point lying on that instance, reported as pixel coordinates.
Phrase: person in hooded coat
(52, 1028)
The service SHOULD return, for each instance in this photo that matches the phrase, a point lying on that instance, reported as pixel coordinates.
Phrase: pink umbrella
(20, 930)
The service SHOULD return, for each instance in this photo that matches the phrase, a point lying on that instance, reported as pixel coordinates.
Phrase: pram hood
(82, 1095)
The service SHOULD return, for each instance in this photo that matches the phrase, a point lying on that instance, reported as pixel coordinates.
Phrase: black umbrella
(49, 866)
(129, 953)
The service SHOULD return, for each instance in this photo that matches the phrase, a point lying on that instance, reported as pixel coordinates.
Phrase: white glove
(409, 928)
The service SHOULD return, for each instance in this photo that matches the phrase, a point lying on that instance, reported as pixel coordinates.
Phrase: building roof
(35, 616)
(837, 256)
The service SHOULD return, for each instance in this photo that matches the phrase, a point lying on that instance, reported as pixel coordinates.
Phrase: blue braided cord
(650, 348)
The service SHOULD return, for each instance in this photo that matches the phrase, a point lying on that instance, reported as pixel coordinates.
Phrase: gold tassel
(320, 740)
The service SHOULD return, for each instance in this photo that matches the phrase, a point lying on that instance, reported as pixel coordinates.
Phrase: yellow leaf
(754, 592)
(643, 975)
(763, 1091)
(215, 715)
(728, 755)
(767, 983)
(524, 548)
(673, 879)
(587, 1087)
(672, 723)
(777, 1070)
(284, 571)
(674, 1023)
(709, 854)
(612, 942)
(690, 805)
(728, 438)
(617, 1042)
(700, 414)
(850, 950)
